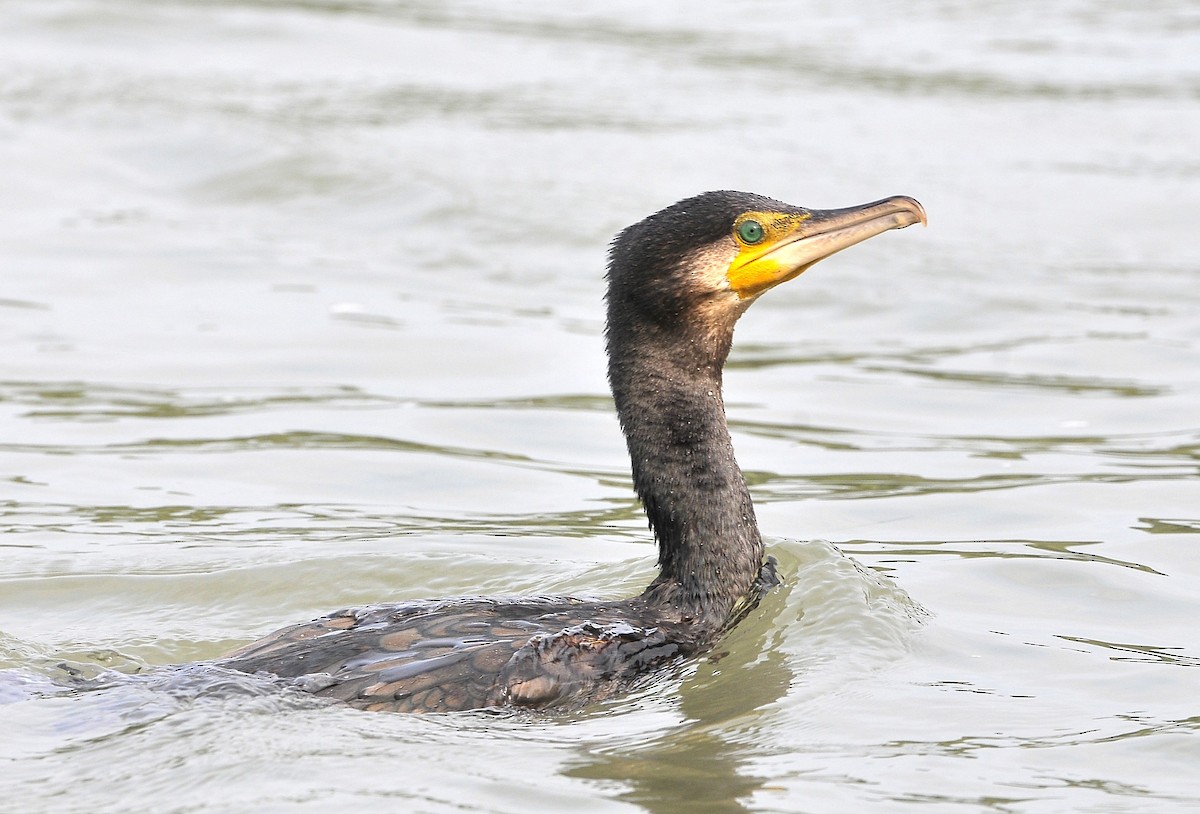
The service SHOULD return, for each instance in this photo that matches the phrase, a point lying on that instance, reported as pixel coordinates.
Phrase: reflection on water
(828, 605)
(898, 550)
(301, 308)
(1142, 652)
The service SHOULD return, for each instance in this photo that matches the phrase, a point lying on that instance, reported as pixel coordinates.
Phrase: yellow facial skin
(753, 271)
(774, 247)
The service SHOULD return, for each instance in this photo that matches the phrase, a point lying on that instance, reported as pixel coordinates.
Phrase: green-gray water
(300, 308)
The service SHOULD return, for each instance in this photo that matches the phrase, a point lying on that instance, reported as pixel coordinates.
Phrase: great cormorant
(677, 283)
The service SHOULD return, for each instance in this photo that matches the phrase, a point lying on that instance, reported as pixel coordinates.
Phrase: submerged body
(678, 282)
(456, 654)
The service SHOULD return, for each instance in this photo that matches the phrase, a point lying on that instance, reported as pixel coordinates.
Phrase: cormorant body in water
(677, 283)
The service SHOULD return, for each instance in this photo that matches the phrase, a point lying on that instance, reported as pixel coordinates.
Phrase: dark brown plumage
(677, 283)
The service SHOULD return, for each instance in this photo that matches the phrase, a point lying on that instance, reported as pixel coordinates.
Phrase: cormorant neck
(667, 386)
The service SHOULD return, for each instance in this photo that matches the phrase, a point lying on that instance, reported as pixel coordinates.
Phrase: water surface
(300, 308)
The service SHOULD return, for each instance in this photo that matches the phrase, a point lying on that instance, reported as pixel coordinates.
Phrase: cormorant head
(698, 264)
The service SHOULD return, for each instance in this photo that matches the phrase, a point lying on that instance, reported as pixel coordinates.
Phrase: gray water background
(300, 308)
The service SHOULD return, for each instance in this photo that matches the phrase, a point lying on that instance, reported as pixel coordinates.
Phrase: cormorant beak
(794, 242)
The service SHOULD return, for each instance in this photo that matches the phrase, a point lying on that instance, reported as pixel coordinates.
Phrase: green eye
(750, 231)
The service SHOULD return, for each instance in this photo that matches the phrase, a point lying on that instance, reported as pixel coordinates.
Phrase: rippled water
(300, 308)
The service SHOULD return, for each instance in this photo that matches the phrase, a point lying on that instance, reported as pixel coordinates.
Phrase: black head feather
(647, 268)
